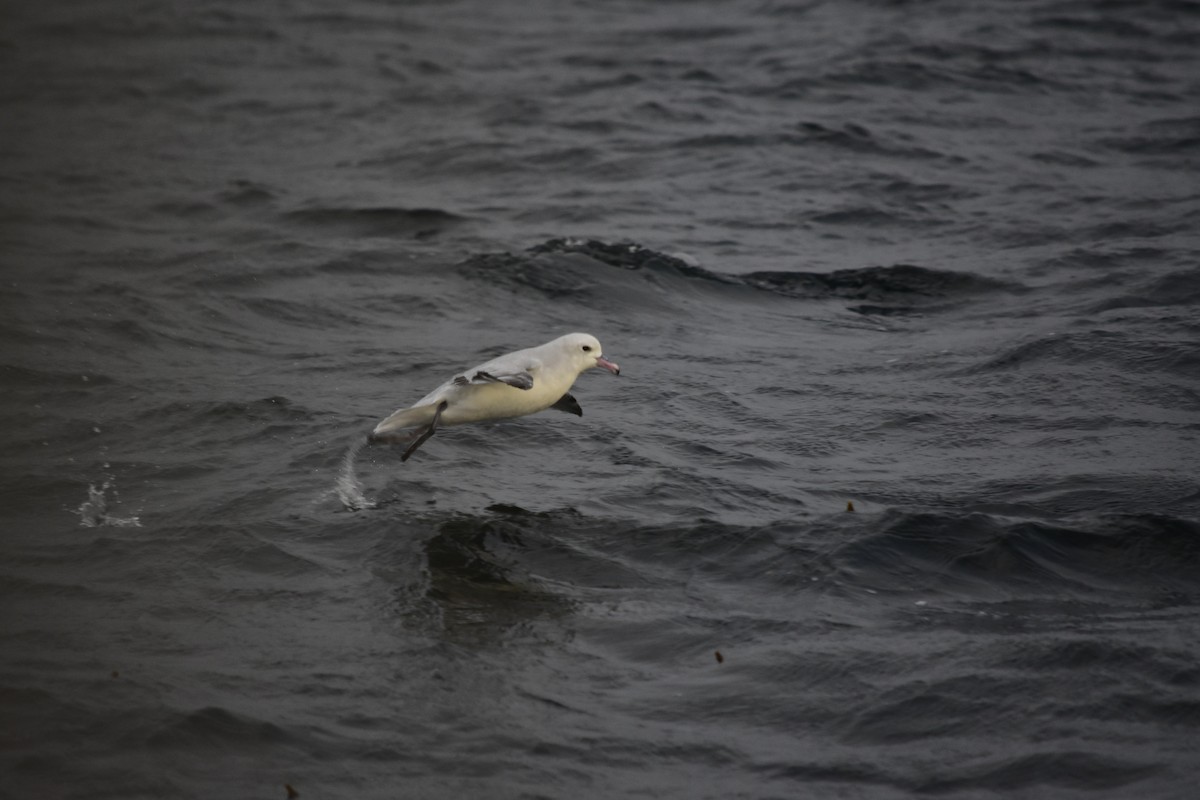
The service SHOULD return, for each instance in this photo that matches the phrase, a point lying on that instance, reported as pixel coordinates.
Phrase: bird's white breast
(481, 401)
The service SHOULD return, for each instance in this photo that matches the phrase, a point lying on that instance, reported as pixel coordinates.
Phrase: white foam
(347, 486)
(93, 512)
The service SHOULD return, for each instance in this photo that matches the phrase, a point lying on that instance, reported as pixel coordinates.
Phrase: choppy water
(933, 262)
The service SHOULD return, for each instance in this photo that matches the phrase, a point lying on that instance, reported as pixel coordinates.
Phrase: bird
(512, 385)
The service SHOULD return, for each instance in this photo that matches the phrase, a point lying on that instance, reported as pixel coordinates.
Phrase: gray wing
(568, 404)
(518, 380)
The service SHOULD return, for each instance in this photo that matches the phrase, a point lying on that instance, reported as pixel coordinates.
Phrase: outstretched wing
(518, 380)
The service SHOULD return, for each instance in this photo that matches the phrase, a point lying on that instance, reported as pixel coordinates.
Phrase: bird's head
(584, 350)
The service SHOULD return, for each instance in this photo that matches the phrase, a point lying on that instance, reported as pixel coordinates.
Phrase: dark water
(937, 260)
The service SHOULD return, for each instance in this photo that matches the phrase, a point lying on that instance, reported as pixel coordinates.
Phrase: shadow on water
(478, 584)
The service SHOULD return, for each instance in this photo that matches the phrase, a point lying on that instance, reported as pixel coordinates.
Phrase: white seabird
(511, 385)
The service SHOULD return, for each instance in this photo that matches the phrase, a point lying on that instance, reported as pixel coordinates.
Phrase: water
(896, 493)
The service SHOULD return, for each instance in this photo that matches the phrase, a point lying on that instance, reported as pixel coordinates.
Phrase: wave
(875, 283)
(1174, 289)
(29, 377)
(987, 556)
(244, 193)
(1077, 771)
(409, 223)
(1132, 353)
(214, 727)
(956, 556)
(902, 285)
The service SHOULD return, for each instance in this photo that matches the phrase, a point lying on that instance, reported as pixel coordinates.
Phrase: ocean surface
(897, 494)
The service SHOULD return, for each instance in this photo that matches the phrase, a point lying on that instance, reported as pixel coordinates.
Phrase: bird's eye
(587, 348)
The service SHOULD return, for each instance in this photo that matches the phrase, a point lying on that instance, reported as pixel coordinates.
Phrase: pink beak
(601, 361)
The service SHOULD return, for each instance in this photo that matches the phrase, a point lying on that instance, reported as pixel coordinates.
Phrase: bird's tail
(399, 427)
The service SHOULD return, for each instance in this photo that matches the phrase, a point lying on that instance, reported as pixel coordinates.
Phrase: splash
(347, 486)
(93, 512)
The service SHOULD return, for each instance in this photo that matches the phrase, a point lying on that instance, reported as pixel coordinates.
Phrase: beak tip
(604, 363)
